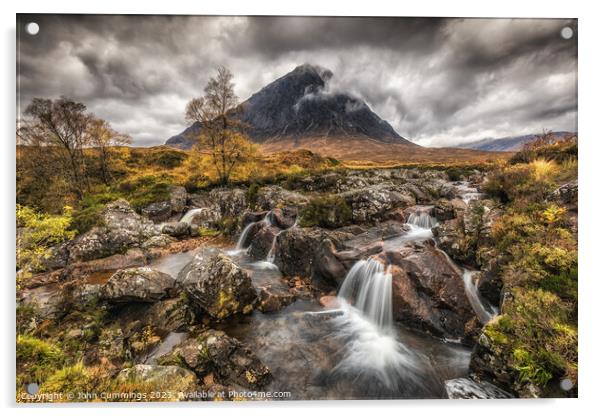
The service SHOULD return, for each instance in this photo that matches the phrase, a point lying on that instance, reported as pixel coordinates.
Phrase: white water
(187, 218)
(368, 288)
(473, 297)
(422, 219)
(243, 236)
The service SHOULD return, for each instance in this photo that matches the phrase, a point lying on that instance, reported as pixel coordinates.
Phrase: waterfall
(187, 218)
(472, 292)
(272, 253)
(422, 219)
(243, 236)
(368, 287)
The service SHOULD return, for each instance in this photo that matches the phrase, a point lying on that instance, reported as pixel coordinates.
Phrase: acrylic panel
(295, 208)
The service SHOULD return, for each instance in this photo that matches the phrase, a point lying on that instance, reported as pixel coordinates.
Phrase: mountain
(508, 144)
(298, 108)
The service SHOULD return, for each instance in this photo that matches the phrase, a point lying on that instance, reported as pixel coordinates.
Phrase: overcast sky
(438, 82)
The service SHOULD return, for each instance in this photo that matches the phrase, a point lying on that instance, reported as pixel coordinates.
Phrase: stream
(353, 349)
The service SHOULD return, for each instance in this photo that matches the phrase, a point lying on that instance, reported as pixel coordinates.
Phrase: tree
(102, 136)
(220, 131)
(60, 125)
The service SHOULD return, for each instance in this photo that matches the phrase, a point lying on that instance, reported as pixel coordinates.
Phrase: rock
(329, 302)
(177, 199)
(140, 284)
(157, 211)
(465, 388)
(272, 299)
(231, 201)
(446, 209)
(216, 285)
(176, 229)
(486, 364)
(272, 196)
(283, 217)
(428, 291)
(169, 315)
(123, 228)
(230, 360)
(252, 216)
(566, 194)
(260, 239)
(165, 379)
(489, 281)
(158, 241)
(46, 301)
(369, 205)
(206, 217)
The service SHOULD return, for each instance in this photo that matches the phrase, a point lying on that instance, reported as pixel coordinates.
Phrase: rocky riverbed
(264, 310)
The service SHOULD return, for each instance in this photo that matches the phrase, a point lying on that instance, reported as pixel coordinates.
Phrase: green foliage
(36, 359)
(38, 233)
(69, 380)
(327, 212)
(168, 158)
(226, 225)
(252, 194)
(145, 190)
(87, 215)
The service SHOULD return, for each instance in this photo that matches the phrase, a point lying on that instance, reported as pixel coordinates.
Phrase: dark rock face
(230, 360)
(163, 210)
(273, 298)
(217, 286)
(262, 240)
(298, 105)
(140, 284)
(428, 291)
(446, 209)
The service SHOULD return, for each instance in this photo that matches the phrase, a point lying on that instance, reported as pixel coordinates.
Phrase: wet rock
(217, 286)
(260, 239)
(206, 217)
(176, 229)
(140, 284)
(446, 209)
(168, 379)
(177, 199)
(428, 291)
(230, 361)
(169, 315)
(489, 281)
(372, 203)
(272, 196)
(273, 298)
(252, 216)
(487, 364)
(329, 301)
(465, 388)
(283, 217)
(123, 228)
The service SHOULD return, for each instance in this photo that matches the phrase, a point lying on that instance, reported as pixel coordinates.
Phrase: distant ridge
(509, 144)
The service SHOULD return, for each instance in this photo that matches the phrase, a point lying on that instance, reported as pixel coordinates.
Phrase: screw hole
(32, 28)
(566, 33)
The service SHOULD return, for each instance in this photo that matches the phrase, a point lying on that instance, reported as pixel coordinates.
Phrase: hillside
(508, 144)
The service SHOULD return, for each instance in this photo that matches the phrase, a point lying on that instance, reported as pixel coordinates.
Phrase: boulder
(231, 201)
(122, 228)
(272, 196)
(230, 361)
(177, 199)
(428, 290)
(139, 284)
(274, 298)
(217, 286)
(445, 209)
(283, 217)
(165, 379)
(370, 204)
(176, 229)
(205, 217)
(260, 239)
(157, 211)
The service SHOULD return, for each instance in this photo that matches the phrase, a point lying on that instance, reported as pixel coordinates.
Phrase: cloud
(438, 82)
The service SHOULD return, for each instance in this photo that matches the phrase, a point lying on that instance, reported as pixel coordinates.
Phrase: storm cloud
(438, 82)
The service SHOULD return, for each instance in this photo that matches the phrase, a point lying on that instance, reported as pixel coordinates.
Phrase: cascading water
(368, 287)
(372, 353)
(472, 292)
(422, 219)
(187, 218)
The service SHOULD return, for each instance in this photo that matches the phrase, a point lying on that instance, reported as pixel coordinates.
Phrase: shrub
(39, 232)
(36, 359)
(87, 215)
(328, 212)
(145, 190)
